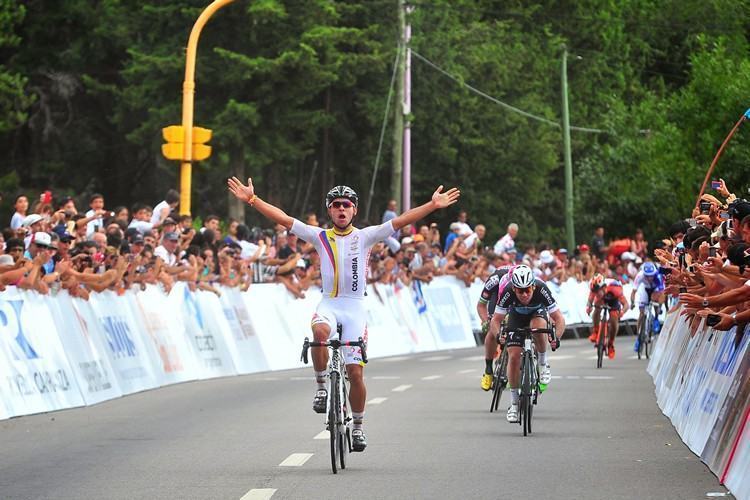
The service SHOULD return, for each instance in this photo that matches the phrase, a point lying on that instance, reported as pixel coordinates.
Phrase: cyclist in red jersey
(609, 292)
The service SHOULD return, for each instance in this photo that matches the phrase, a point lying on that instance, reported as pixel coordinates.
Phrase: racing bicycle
(338, 413)
(601, 340)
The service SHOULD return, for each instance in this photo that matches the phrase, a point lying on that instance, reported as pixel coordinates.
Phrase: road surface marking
(385, 377)
(436, 358)
(598, 377)
(395, 358)
(594, 357)
(470, 370)
(556, 376)
(473, 358)
(376, 401)
(432, 377)
(322, 435)
(270, 379)
(401, 388)
(572, 377)
(301, 378)
(259, 494)
(296, 460)
(556, 357)
(716, 494)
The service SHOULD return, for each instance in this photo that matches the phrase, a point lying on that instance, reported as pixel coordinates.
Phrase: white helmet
(523, 277)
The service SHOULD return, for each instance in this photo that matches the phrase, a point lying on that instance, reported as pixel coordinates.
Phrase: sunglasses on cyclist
(339, 204)
(524, 291)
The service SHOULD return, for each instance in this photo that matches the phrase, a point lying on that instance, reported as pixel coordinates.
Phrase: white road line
(436, 358)
(587, 351)
(470, 370)
(598, 377)
(259, 494)
(376, 401)
(716, 494)
(270, 379)
(394, 359)
(556, 357)
(634, 356)
(572, 377)
(593, 357)
(301, 378)
(296, 460)
(432, 377)
(556, 376)
(473, 358)
(401, 388)
(322, 435)
(384, 377)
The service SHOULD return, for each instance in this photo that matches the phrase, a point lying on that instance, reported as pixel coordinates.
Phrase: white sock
(514, 396)
(357, 419)
(320, 379)
(542, 357)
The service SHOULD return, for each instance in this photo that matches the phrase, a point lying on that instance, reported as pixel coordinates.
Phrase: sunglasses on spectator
(339, 204)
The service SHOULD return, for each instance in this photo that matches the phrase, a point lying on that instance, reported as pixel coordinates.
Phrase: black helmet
(342, 192)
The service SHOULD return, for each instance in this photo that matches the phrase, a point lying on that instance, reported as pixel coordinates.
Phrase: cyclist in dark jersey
(527, 304)
(494, 286)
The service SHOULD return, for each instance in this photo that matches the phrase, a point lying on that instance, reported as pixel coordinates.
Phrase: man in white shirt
(165, 207)
(167, 251)
(96, 202)
(508, 241)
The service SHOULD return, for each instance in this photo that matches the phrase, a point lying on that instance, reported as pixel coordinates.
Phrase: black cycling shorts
(516, 320)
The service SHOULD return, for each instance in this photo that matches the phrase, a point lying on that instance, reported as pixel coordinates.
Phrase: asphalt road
(598, 434)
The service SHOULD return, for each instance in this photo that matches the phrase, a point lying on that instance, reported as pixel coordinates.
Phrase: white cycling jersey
(343, 255)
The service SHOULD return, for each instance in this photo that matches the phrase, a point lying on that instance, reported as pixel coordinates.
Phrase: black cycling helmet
(342, 192)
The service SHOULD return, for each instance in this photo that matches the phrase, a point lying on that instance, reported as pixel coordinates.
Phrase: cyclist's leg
(323, 323)
(354, 326)
(490, 350)
(514, 345)
(614, 324)
(540, 341)
(641, 298)
(595, 327)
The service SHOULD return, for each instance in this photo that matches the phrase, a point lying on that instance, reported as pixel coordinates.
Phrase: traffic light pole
(188, 95)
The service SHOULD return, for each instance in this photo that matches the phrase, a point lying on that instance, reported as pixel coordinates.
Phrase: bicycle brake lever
(363, 348)
(305, 346)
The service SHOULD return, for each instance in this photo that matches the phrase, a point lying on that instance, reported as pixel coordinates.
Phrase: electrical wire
(501, 103)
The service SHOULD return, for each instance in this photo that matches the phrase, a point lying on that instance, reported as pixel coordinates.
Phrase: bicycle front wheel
(333, 413)
(600, 344)
(344, 435)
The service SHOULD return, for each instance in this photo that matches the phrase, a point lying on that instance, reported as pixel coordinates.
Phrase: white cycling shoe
(545, 375)
(512, 415)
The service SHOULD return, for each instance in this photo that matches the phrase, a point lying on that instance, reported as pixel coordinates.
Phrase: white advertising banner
(37, 375)
(203, 320)
(447, 313)
(79, 333)
(738, 476)
(246, 349)
(178, 361)
(406, 306)
(133, 360)
(385, 335)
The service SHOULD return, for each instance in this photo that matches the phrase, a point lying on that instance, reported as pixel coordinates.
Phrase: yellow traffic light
(200, 137)
(174, 148)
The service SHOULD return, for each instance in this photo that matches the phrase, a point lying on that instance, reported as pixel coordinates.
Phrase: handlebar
(554, 341)
(334, 344)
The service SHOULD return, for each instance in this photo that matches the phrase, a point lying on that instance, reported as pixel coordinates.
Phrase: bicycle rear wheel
(333, 425)
(647, 342)
(344, 434)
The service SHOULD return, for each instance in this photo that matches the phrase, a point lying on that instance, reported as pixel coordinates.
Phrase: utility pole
(569, 224)
(398, 116)
(407, 112)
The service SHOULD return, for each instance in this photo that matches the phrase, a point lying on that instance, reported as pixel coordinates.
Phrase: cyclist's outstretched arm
(439, 200)
(247, 195)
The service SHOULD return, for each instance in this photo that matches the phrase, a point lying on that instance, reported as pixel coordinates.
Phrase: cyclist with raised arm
(527, 303)
(606, 291)
(492, 289)
(343, 251)
(648, 284)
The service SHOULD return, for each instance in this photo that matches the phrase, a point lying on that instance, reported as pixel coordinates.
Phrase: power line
(505, 105)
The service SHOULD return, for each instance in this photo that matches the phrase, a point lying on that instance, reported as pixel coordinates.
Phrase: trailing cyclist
(527, 303)
(647, 285)
(606, 292)
(343, 251)
(492, 289)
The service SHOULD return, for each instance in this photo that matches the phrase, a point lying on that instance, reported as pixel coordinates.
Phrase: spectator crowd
(53, 246)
